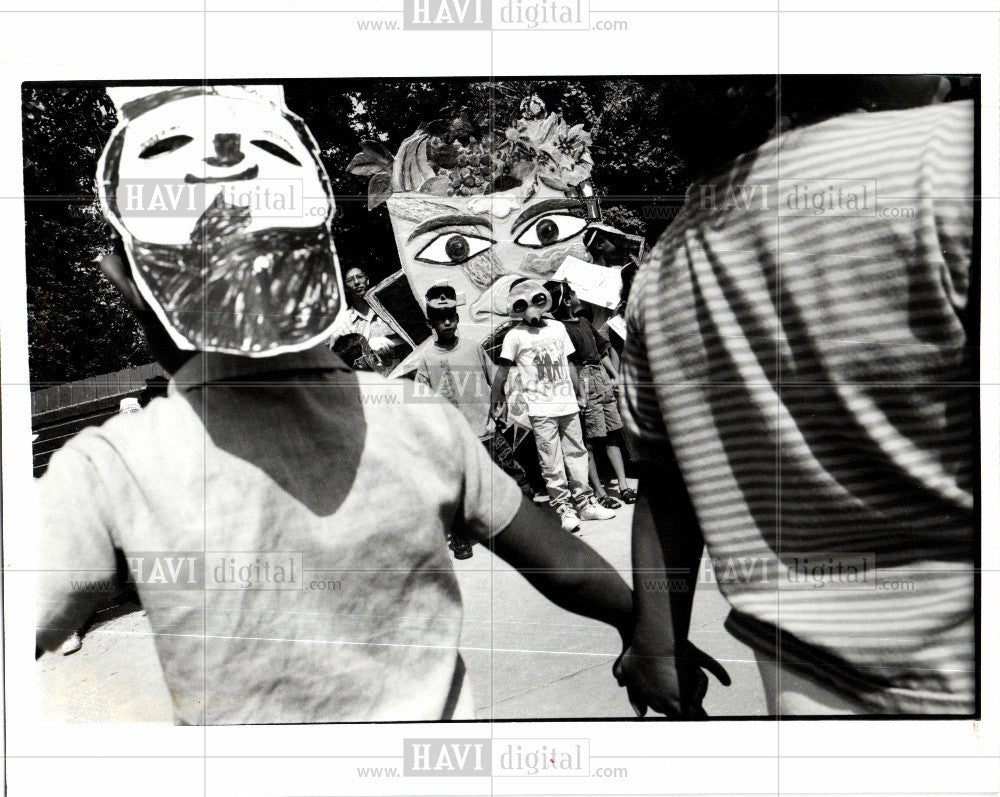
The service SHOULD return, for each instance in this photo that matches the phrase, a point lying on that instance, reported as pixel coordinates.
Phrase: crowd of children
(563, 369)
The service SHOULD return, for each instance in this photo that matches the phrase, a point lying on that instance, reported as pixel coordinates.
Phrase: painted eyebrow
(449, 221)
(543, 207)
(165, 133)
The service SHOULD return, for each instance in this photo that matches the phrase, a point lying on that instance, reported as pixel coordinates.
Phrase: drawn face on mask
(527, 301)
(224, 209)
(480, 244)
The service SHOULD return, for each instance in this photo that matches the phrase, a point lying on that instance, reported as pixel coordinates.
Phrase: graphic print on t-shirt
(540, 355)
(547, 367)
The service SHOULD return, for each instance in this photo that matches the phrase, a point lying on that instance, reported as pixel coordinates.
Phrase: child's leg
(592, 425)
(617, 461)
(551, 460)
(613, 422)
(575, 457)
(595, 478)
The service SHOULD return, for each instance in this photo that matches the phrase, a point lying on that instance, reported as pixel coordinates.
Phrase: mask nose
(533, 315)
(227, 150)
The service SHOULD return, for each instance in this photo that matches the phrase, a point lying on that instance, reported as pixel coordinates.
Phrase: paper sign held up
(599, 285)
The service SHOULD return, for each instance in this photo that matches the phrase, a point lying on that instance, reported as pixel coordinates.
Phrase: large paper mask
(477, 208)
(224, 210)
(528, 300)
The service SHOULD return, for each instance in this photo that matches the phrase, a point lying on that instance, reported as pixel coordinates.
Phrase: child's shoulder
(554, 326)
(516, 333)
(165, 421)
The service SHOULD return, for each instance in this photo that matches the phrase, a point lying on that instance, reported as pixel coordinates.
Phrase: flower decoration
(455, 156)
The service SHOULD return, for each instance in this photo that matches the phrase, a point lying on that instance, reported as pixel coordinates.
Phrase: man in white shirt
(360, 317)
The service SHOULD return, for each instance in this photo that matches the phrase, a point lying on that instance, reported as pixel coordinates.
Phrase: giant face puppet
(224, 211)
(477, 208)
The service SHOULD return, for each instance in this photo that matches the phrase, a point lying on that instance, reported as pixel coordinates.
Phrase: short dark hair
(349, 347)
(558, 290)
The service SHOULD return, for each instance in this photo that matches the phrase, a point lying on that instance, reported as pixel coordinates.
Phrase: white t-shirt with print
(540, 356)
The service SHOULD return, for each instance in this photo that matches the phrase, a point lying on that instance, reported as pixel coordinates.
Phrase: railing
(60, 411)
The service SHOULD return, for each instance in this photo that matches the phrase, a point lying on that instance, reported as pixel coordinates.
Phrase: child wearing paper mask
(538, 347)
(263, 445)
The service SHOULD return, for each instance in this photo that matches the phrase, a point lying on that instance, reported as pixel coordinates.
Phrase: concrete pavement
(530, 659)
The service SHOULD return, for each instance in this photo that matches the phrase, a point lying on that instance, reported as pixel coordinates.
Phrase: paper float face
(224, 210)
(480, 244)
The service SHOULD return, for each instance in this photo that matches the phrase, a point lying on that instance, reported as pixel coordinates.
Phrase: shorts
(600, 415)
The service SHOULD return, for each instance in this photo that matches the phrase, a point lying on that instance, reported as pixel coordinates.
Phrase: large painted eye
(550, 230)
(275, 149)
(453, 248)
(164, 145)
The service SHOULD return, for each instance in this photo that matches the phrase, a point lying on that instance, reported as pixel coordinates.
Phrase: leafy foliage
(79, 326)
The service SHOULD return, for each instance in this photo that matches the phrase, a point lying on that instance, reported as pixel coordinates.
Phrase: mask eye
(453, 248)
(550, 230)
(164, 145)
(519, 306)
(274, 149)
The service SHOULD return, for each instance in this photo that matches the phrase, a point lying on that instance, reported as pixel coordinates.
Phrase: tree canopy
(77, 324)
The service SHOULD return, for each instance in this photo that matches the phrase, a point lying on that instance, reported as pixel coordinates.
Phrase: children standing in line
(538, 347)
(596, 376)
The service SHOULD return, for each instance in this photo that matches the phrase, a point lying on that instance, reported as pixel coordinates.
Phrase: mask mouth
(240, 292)
(246, 174)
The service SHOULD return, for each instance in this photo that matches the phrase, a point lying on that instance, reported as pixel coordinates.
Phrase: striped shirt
(798, 338)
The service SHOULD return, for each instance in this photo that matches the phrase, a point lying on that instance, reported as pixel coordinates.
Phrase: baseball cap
(441, 297)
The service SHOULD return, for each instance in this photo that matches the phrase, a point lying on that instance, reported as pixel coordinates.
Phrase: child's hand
(496, 411)
(673, 685)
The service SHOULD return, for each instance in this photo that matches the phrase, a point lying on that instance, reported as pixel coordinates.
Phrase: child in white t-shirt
(538, 347)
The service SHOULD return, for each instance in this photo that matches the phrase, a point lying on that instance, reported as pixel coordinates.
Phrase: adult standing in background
(801, 384)
(360, 317)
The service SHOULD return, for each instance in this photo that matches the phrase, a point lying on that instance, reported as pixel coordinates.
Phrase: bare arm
(574, 377)
(565, 569)
(608, 361)
(662, 669)
(496, 389)
(666, 552)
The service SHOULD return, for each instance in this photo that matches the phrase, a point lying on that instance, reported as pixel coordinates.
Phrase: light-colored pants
(788, 693)
(563, 458)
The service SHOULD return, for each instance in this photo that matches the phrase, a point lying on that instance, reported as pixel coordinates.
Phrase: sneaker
(594, 511)
(568, 518)
(71, 645)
